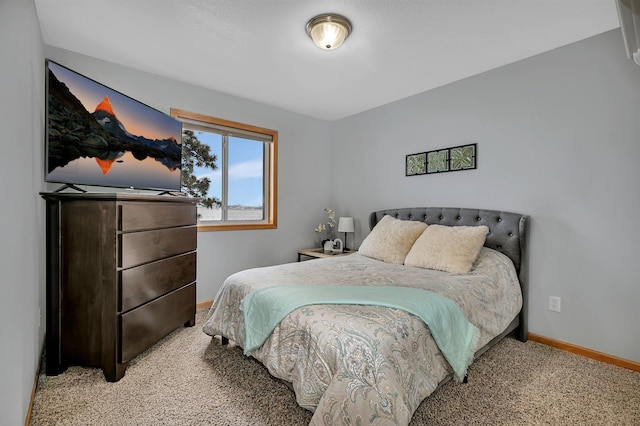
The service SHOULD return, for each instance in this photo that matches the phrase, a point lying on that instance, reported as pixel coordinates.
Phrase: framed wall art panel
(416, 164)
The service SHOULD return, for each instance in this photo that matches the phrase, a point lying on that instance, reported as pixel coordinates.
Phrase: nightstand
(317, 253)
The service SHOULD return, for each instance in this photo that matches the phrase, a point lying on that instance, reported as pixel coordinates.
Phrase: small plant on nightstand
(324, 231)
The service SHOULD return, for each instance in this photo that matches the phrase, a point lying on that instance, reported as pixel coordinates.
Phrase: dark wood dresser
(121, 275)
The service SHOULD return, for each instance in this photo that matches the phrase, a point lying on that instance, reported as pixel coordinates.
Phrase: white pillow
(448, 248)
(391, 239)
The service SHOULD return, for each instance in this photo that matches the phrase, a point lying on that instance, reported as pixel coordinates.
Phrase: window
(232, 168)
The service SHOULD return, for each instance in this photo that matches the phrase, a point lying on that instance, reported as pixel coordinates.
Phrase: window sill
(236, 227)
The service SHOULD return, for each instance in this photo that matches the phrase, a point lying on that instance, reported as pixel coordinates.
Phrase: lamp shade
(345, 224)
(328, 31)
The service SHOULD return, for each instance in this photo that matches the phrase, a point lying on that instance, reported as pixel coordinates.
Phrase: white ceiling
(259, 50)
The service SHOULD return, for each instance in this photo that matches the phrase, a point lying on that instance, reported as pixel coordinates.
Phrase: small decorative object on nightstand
(324, 231)
(345, 224)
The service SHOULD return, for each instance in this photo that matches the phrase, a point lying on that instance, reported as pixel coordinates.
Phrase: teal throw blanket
(456, 337)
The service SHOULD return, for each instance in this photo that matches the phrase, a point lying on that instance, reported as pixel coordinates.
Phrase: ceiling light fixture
(328, 31)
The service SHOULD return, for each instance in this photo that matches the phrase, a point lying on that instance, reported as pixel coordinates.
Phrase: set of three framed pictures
(463, 157)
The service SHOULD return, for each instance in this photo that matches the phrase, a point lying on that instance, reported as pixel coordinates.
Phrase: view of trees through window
(226, 172)
(195, 157)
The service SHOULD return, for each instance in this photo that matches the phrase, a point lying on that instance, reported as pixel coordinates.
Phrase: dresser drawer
(143, 283)
(144, 326)
(137, 216)
(137, 248)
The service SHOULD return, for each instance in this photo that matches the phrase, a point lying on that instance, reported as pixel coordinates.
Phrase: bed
(374, 363)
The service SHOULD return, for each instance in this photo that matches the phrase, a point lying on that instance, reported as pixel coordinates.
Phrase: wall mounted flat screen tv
(97, 136)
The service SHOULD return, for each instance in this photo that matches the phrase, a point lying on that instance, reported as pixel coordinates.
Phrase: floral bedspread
(366, 365)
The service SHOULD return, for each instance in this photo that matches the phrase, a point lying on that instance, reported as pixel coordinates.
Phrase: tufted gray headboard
(507, 234)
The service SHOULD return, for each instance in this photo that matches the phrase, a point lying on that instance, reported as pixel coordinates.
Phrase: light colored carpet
(190, 379)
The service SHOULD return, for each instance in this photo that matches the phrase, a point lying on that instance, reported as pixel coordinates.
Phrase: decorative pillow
(391, 239)
(448, 248)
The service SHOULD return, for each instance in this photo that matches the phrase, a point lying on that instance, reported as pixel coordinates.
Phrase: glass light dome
(328, 31)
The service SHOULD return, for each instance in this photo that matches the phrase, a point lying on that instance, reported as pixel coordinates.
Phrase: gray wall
(22, 260)
(303, 147)
(558, 139)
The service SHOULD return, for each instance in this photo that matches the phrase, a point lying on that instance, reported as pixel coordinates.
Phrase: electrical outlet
(554, 303)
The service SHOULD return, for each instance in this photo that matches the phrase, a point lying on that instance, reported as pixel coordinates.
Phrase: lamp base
(344, 247)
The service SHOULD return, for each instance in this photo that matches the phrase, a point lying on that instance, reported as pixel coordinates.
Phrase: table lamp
(345, 224)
